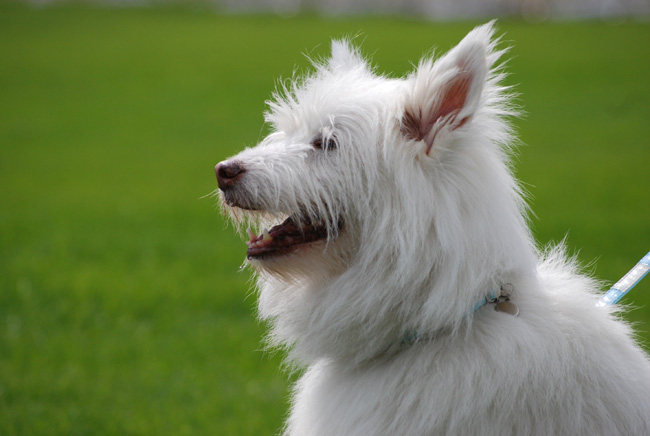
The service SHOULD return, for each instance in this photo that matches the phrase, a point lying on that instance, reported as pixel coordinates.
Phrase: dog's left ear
(444, 96)
(345, 57)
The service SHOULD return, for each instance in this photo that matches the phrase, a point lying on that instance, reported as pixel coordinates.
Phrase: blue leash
(628, 281)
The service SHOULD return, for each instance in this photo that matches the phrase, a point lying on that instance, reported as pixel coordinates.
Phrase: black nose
(228, 172)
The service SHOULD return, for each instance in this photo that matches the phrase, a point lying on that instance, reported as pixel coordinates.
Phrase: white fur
(433, 222)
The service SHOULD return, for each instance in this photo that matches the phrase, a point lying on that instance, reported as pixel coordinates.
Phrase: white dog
(399, 268)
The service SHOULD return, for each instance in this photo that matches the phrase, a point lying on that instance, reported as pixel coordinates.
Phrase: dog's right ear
(443, 97)
(345, 57)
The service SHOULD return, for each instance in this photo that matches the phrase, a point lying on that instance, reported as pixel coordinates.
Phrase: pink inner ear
(453, 97)
(450, 101)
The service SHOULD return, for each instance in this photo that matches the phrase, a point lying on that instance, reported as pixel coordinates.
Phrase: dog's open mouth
(285, 238)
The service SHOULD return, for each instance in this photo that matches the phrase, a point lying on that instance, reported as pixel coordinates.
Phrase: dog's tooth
(251, 234)
(267, 236)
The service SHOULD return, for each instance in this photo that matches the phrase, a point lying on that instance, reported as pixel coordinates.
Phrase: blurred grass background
(122, 307)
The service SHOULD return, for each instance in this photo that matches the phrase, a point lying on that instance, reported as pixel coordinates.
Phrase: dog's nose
(228, 172)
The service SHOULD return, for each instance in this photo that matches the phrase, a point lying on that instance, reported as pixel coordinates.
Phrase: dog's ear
(345, 57)
(443, 96)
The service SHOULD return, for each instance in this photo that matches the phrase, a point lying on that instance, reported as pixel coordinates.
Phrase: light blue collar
(495, 297)
(500, 298)
(491, 298)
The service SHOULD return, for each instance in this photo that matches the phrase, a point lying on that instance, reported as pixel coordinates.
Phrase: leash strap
(628, 281)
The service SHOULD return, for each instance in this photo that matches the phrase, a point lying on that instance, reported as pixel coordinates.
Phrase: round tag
(507, 307)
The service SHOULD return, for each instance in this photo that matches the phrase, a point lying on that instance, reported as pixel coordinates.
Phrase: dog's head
(343, 140)
(380, 186)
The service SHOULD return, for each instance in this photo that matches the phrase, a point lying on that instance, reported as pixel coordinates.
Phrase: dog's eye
(326, 144)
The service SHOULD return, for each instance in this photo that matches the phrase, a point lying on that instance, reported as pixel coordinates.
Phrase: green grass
(122, 311)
